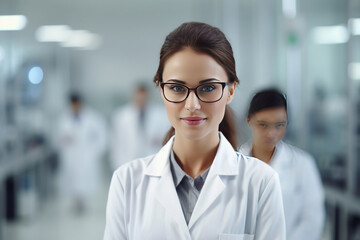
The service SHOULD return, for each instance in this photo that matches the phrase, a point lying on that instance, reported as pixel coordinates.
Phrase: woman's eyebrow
(176, 81)
(209, 80)
(202, 81)
(260, 121)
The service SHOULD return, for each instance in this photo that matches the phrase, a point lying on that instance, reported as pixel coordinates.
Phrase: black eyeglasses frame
(223, 84)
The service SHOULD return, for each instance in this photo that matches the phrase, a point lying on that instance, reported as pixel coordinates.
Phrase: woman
(300, 182)
(197, 186)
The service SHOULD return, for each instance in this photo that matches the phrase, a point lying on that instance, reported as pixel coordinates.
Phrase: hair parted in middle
(203, 38)
(207, 39)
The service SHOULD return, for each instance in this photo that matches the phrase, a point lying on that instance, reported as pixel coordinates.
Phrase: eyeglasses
(207, 92)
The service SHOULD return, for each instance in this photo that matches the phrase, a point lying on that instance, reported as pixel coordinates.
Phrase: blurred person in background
(197, 186)
(301, 185)
(82, 142)
(138, 128)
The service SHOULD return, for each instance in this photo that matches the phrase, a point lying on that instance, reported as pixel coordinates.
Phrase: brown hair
(207, 39)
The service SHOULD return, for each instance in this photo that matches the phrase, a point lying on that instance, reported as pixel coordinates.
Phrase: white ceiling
(133, 32)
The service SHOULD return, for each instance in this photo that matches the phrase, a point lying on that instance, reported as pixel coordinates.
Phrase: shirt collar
(225, 162)
(177, 172)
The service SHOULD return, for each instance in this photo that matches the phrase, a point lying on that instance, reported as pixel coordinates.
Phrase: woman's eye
(177, 88)
(207, 88)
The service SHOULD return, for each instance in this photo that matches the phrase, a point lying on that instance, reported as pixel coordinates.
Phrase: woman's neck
(195, 156)
(264, 154)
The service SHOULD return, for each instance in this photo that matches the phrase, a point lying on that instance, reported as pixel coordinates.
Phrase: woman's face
(268, 127)
(192, 118)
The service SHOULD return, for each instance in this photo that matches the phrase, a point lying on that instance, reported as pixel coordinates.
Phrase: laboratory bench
(25, 181)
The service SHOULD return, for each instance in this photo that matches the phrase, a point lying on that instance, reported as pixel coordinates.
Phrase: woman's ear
(231, 92)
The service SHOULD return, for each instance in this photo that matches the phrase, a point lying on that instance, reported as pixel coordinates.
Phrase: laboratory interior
(101, 56)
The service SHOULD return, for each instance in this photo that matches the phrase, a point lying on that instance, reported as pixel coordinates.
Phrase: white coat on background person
(301, 186)
(82, 143)
(302, 190)
(241, 199)
(138, 129)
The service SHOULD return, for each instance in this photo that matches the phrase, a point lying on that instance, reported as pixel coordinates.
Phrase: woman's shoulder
(253, 162)
(257, 176)
(296, 155)
(133, 169)
(254, 168)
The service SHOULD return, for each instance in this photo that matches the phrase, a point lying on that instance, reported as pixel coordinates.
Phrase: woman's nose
(192, 103)
(271, 132)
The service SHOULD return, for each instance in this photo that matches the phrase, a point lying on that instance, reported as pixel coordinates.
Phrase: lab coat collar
(165, 189)
(277, 162)
(161, 160)
(225, 161)
(225, 164)
(282, 157)
(246, 149)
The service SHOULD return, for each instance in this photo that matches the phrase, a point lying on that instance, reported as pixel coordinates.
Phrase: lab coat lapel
(281, 159)
(275, 161)
(166, 192)
(225, 164)
(246, 149)
(167, 196)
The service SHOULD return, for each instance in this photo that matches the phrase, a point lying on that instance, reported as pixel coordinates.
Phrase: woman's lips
(193, 120)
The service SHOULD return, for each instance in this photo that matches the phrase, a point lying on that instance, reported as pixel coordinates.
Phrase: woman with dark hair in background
(300, 182)
(197, 186)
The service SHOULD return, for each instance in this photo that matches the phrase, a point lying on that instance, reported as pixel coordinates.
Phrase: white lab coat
(302, 190)
(82, 143)
(240, 200)
(127, 135)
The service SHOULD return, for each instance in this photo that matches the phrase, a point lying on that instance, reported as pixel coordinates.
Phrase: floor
(57, 220)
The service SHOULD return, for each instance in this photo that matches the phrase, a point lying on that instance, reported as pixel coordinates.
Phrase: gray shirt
(187, 188)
